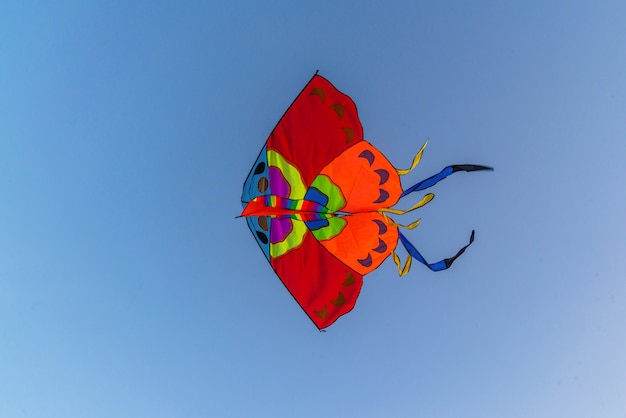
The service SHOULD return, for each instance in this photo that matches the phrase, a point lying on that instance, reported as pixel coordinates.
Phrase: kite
(318, 200)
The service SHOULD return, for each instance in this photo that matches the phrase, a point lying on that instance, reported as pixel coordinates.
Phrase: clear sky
(129, 289)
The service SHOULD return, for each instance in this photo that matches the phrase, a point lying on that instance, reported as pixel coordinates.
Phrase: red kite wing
(319, 125)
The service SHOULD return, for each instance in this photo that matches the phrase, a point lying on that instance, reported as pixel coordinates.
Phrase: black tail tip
(470, 167)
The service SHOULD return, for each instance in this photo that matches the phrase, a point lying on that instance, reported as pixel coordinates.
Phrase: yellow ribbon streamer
(416, 161)
(419, 204)
(409, 226)
(407, 264)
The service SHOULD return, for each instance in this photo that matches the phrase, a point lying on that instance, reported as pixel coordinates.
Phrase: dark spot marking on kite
(339, 110)
(350, 279)
(260, 167)
(341, 300)
(323, 313)
(263, 184)
(382, 228)
(319, 92)
(366, 262)
(383, 174)
(383, 196)
(382, 247)
(262, 220)
(367, 154)
(349, 134)
(262, 237)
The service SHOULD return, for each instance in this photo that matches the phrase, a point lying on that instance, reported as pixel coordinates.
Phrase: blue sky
(128, 288)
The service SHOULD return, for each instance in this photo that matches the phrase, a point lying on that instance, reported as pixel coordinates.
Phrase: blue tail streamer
(439, 265)
(432, 180)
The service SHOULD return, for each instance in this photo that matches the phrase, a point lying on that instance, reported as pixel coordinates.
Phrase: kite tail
(432, 180)
(438, 266)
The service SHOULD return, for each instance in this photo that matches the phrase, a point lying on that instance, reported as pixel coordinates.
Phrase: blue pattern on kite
(259, 171)
(314, 195)
(260, 234)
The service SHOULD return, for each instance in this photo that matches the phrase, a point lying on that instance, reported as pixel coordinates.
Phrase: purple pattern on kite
(280, 228)
(280, 186)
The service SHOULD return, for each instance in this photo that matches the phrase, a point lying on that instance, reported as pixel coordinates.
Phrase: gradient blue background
(129, 289)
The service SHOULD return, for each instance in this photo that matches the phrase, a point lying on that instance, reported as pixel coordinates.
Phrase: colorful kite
(317, 199)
